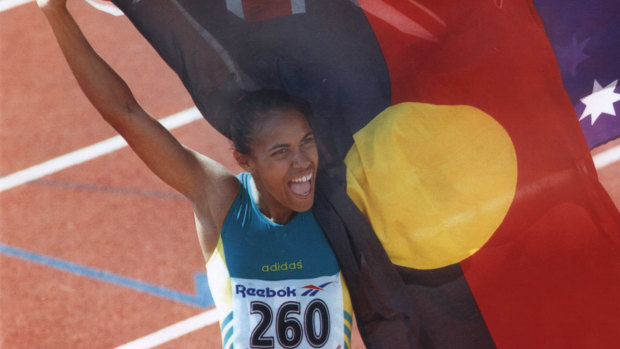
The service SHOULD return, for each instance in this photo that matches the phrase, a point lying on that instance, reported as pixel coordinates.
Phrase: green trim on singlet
(227, 333)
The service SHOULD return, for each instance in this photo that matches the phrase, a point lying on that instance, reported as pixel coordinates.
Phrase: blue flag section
(586, 40)
(456, 186)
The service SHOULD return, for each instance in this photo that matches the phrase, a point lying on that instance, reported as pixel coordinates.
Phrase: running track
(96, 252)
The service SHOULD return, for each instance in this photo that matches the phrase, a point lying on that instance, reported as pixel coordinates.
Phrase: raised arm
(185, 170)
(208, 184)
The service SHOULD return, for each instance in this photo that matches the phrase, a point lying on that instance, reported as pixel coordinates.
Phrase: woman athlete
(273, 276)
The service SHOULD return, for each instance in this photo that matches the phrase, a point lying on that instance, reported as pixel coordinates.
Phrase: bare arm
(178, 166)
(188, 172)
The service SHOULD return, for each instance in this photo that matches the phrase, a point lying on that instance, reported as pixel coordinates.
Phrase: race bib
(306, 313)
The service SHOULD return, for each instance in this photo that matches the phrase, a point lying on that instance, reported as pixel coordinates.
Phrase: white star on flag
(600, 101)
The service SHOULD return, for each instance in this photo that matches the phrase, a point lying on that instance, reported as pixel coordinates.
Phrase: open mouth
(301, 186)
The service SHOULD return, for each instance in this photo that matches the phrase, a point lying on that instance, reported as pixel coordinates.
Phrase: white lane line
(102, 5)
(105, 6)
(88, 153)
(174, 331)
(607, 157)
(9, 4)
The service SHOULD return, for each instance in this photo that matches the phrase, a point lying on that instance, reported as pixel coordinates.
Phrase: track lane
(44, 115)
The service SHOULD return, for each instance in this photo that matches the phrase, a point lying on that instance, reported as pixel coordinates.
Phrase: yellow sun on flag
(434, 181)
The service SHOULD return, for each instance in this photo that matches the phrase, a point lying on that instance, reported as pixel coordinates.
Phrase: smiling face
(283, 163)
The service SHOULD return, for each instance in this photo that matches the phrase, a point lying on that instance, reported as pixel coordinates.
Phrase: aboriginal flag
(456, 186)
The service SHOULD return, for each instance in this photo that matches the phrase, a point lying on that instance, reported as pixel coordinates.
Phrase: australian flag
(456, 185)
(586, 40)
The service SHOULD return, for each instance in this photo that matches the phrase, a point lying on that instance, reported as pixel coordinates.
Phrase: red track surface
(44, 115)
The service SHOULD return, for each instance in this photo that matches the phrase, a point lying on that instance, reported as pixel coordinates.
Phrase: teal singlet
(277, 286)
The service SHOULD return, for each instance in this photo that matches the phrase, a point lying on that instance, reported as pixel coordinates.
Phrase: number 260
(289, 330)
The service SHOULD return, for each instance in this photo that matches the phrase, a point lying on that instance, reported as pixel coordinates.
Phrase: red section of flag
(257, 10)
(550, 275)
